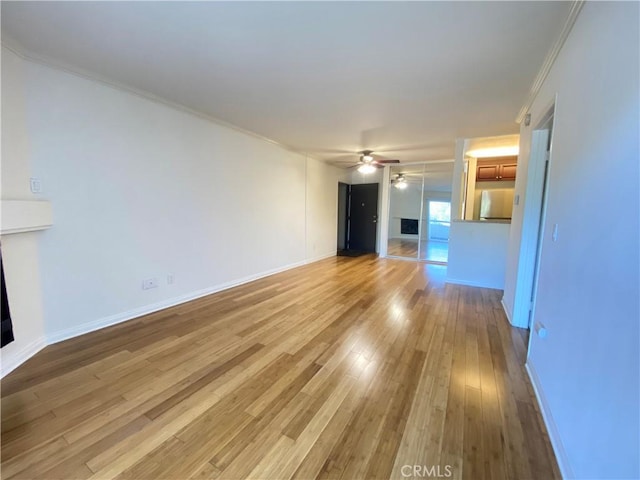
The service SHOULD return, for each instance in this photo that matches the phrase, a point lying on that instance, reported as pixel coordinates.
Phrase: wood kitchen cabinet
(496, 169)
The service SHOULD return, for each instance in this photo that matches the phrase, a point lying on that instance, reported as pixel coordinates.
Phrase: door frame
(533, 220)
(343, 216)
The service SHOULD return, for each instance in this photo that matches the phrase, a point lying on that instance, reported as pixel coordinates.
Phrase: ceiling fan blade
(351, 167)
(383, 162)
(343, 159)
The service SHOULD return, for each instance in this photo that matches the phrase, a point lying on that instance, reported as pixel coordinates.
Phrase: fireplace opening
(6, 325)
(408, 226)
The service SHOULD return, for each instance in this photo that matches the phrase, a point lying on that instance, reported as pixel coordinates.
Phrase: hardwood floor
(432, 251)
(400, 247)
(346, 368)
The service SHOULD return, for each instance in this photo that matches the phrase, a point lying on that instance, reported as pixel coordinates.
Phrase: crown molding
(550, 59)
(49, 62)
(425, 162)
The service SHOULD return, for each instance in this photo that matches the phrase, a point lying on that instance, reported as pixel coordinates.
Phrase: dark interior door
(343, 214)
(363, 217)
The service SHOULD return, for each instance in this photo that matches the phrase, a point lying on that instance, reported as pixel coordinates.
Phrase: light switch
(554, 235)
(36, 185)
(516, 200)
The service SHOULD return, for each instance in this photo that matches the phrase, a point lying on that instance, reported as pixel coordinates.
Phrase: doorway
(357, 218)
(533, 221)
(545, 137)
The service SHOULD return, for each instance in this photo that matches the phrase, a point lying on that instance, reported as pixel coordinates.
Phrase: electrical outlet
(149, 283)
(170, 279)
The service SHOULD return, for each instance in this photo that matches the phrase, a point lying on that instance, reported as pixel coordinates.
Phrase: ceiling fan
(399, 181)
(368, 163)
(402, 180)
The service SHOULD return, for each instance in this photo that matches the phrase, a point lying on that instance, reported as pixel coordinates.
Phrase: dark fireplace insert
(7, 327)
(408, 226)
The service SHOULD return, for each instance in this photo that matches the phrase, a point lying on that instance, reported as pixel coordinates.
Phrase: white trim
(404, 259)
(318, 258)
(421, 219)
(471, 283)
(554, 435)
(406, 236)
(532, 212)
(384, 209)
(8, 365)
(506, 311)
(550, 59)
(306, 205)
(100, 323)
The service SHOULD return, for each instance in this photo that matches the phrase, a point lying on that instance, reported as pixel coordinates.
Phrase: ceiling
(327, 78)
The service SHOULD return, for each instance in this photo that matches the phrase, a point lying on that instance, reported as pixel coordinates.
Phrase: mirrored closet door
(420, 211)
(405, 211)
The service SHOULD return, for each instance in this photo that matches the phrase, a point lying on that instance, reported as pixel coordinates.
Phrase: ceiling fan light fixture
(400, 182)
(366, 156)
(366, 168)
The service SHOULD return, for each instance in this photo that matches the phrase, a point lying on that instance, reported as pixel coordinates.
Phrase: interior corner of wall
(507, 310)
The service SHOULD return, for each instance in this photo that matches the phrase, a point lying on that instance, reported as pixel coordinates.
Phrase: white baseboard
(469, 283)
(18, 358)
(104, 322)
(402, 259)
(561, 455)
(407, 236)
(506, 311)
(320, 257)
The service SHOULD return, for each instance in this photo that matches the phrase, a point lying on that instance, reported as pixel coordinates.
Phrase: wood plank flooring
(432, 251)
(350, 368)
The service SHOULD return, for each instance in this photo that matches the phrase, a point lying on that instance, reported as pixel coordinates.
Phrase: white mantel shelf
(19, 216)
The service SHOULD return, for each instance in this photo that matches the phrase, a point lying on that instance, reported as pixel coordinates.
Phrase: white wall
(470, 193)
(477, 253)
(322, 207)
(19, 251)
(458, 181)
(142, 190)
(586, 371)
(404, 204)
